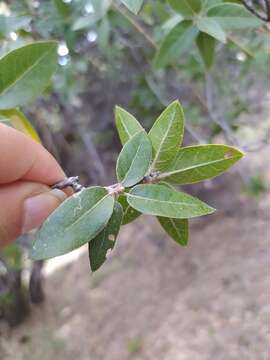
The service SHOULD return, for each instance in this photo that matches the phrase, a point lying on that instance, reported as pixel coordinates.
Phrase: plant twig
(267, 7)
(136, 25)
(256, 13)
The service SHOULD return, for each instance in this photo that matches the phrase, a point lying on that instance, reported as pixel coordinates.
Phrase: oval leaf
(130, 214)
(134, 160)
(64, 9)
(126, 124)
(105, 240)
(177, 229)
(187, 8)
(196, 163)
(25, 73)
(233, 16)
(166, 135)
(212, 27)
(175, 43)
(159, 200)
(206, 45)
(77, 221)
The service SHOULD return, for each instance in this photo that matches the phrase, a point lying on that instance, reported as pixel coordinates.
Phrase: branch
(267, 7)
(256, 13)
(136, 25)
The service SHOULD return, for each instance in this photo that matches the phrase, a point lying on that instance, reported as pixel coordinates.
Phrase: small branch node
(115, 189)
(69, 182)
(152, 178)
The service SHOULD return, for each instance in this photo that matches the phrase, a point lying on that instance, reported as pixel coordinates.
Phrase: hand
(26, 172)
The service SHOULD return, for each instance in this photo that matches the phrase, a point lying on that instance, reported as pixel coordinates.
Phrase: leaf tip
(211, 210)
(117, 108)
(176, 103)
(233, 152)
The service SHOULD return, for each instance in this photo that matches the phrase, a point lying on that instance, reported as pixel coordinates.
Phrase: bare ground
(156, 301)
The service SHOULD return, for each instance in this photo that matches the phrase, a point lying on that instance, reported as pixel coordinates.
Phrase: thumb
(25, 206)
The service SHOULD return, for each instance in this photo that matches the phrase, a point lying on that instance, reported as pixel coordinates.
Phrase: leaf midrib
(179, 171)
(127, 210)
(189, 6)
(130, 135)
(163, 140)
(25, 72)
(160, 201)
(87, 212)
(133, 160)
(175, 227)
(125, 128)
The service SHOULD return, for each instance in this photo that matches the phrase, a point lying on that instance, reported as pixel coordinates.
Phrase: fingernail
(38, 208)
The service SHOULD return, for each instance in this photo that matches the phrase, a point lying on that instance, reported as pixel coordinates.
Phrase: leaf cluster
(204, 22)
(148, 167)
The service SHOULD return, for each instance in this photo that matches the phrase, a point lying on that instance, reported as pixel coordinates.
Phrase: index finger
(22, 158)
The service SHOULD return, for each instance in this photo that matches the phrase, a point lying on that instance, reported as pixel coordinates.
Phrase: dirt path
(156, 301)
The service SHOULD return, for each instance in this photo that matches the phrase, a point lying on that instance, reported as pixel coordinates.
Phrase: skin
(27, 170)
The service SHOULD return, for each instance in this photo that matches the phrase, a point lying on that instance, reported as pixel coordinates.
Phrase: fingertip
(24, 159)
(27, 206)
(37, 209)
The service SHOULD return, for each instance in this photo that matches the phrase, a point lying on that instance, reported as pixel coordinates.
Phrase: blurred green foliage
(102, 39)
(13, 255)
(255, 186)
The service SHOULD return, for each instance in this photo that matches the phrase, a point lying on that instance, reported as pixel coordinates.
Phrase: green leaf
(126, 124)
(175, 43)
(74, 223)
(233, 16)
(133, 5)
(166, 135)
(169, 24)
(105, 240)
(85, 22)
(20, 122)
(104, 30)
(206, 45)
(100, 10)
(212, 28)
(168, 185)
(13, 256)
(25, 73)
(187, 8)
(159, 200)
(196, 163)
(209, 3)
(64, 9)
(134, 160)
(130, 214)
(177, 229)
